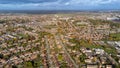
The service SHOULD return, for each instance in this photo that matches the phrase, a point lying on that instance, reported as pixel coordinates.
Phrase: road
(48, 53)
(111, 59)
(63, 46)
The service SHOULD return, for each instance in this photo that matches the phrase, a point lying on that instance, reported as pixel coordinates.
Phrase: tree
(14, 66)
(82, 57)
(1, 56)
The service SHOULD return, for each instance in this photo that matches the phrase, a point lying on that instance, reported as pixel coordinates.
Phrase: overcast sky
(59, 4)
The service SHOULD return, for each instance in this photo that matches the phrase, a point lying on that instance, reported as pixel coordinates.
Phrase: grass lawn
(114, 37)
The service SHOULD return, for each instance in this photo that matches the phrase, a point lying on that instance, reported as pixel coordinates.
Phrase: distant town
(63, 40)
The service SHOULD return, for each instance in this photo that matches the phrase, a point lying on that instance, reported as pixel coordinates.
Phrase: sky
(59, 4)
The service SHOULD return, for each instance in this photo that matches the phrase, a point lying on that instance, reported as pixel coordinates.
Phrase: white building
(99, 51)
(113, 18)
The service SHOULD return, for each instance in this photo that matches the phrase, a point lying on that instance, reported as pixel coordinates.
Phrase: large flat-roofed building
(113, 18)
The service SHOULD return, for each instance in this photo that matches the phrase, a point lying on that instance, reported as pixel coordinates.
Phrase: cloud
(55, 4)
(24, 1)
(90, 2)
(62, 2)
(104, 1)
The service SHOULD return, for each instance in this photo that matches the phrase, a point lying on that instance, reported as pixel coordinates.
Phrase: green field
(114, 37)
